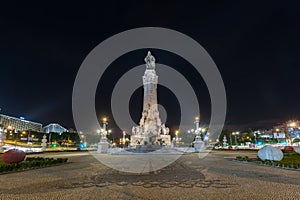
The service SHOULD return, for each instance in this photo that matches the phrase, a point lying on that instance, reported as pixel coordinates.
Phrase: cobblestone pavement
(214, 177)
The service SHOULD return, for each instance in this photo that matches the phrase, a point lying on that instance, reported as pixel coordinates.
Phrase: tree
(70, 138)
(54, 137)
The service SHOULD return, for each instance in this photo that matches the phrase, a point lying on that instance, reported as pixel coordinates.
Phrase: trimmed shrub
(31, 162)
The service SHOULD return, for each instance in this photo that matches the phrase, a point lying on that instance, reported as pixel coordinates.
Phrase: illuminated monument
(151, 131)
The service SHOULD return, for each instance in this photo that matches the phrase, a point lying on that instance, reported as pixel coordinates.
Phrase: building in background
(19, 124)
(54, 128)
(292, 127)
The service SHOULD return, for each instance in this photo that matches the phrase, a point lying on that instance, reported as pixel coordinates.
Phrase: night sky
(255, 45)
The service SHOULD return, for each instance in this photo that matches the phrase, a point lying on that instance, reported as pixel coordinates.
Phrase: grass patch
(290, 160)
(30, 163)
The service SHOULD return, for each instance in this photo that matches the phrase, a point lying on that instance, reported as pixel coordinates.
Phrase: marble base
(102, 147)
(143, 140)
(199, 146)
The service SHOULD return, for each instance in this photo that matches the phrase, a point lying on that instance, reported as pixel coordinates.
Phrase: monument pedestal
(143, 140)
(44, 144)
(199, 145)
(102, 146)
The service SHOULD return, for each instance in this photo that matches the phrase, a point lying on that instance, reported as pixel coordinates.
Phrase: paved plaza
(214, 177)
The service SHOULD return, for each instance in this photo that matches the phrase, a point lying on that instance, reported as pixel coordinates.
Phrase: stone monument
(199, 144)
(224, 141)
(151, 131)
(44, 142)
(103, 144)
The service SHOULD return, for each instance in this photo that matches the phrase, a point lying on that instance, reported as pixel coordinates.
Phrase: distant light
(22, 118)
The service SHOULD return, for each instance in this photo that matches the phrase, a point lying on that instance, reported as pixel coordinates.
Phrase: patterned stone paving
(214, 177)
(175, 175)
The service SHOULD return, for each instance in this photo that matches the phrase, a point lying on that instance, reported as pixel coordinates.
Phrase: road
(214, 177)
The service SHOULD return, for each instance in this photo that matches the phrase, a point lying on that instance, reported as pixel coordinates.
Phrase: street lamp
(197, 120)
(104, 119)
(83, 140)
(277, 134)
(293, 124)
(233, 133)
(235, 138)
(103, 131)
(124, 134)
(236, 134)
(176, 135)
(2, 136)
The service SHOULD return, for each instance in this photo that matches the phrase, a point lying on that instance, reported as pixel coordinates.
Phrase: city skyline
(255, 52)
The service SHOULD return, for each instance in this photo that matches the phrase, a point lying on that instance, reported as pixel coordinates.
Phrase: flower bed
(31, 163)
(290, 160)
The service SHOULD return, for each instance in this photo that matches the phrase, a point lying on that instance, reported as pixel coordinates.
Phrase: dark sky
(255, 45)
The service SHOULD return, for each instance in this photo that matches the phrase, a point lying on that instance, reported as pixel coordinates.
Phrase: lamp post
(197, 120)
(293, 124)
(103, 144)
(176, 136)
(103, 131)
(197, 127)
(224, 141)
(124, 134)
(50, 142)
(277, 134)
(83, 140)
(1, 136)
(255, 141)
(234, 134)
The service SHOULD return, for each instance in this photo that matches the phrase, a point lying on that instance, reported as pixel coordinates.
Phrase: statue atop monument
(150, 61)
(150, 130)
